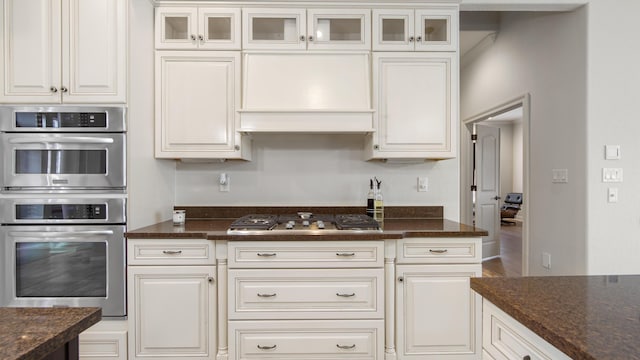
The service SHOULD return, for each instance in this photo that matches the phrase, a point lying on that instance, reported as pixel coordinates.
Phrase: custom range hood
(306, 92)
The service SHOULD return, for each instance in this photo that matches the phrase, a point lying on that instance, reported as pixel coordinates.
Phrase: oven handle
(59, 234)
(63, 140)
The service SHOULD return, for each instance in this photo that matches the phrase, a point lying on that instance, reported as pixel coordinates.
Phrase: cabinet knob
(193, 37)
(200, 37)
(210, 279)
(376, 147)
(237, 147)
(302, 37)
(411, 38)
(400, 279)
(53, 89)
(419, 39)
(64, 89)
(310, 38)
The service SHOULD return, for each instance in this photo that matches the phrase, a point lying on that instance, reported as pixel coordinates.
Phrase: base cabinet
(172, 308)
(438, 315)
(106, 340)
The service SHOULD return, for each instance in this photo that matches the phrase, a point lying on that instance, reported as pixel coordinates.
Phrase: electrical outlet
(423, 184)
(546, 261)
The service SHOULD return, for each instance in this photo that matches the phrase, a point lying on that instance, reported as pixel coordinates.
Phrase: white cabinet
(306, 300)
(106, 340)
(416, 97)
(197, 28)
(300, 29)
(438, 315)
(172, 305)
(427, 29)
(504, 338)
(63, 51)
(197, 96)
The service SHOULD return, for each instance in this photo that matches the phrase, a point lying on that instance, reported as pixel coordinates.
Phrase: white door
(487, 208)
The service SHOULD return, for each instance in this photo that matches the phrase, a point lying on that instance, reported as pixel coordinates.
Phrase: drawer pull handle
(346, 295)
(172, 252)
(262, 347)
(440, 251)
(345, 254)
(266, 295)
(346, 347)
(266, 254)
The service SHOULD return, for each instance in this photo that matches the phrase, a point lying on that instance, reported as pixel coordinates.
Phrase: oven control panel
(61, 211)
(58, 120)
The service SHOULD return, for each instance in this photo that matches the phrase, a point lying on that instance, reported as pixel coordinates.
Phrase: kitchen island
(43, 333)
(585, 317)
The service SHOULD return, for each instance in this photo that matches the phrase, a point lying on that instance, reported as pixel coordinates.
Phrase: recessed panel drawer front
(306, 293)
(305, 254)
(171, 252)
(314, 339)
(439, 250)
(505, 338)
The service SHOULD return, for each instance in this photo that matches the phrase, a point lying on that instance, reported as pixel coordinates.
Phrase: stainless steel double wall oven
(63, 207)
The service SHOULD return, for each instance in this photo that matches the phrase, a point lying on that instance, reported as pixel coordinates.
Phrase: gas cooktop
(303, 223)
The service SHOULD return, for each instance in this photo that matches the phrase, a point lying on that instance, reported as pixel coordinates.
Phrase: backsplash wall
(318, 170)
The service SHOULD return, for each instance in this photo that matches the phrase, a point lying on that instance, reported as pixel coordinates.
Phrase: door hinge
(474, 188)
(474, 137)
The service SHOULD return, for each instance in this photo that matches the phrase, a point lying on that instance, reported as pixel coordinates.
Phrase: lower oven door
(53, 161)
(64, 266)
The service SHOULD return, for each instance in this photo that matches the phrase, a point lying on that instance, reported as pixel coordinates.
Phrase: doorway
(495, 163)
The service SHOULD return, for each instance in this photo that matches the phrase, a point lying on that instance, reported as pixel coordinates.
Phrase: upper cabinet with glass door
(180, 28)
(300, 29)
(415, 30)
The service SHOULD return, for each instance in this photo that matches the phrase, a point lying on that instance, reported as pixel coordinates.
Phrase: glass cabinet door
(393, 30)
(437, 30)
(176, 28)
(219, 28)
(273, 29)
(334, 29)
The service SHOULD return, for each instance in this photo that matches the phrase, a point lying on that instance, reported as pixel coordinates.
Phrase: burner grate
(356, 222)
(255, 222)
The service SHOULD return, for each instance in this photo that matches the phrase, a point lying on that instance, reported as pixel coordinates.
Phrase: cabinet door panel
(265, 28)
(437, 29)
(173, 311)
(339, 29)
(438, 313)
(219, 28)
(393, 30)
(195, 101)
(176, 28)
(94, 66)
(31, 51)
(415, 96)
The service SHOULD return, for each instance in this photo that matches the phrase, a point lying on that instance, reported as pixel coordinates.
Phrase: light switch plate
(559, 175)
(612, 152)
(611, 174)
(423, 184)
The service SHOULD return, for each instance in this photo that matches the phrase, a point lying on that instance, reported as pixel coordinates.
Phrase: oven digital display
(58, 120)
(61, 211)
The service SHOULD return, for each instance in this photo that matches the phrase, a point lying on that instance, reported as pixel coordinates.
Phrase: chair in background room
(510, 208)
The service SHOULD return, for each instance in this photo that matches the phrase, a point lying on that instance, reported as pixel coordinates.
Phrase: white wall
(543, 54)
(297, 169)
(151, 182)
(613, 96)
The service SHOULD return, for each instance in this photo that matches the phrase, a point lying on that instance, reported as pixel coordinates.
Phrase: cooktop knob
(305, 223)
(289, 225)
(320, 224)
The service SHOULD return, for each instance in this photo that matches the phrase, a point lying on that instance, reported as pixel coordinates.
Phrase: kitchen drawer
(439, 250)
(315, 339)
(306, 293)
(505, 338)
(170, 252)
(305, 254)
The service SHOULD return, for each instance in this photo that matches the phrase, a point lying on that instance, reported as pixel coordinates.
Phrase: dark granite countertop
(586, 317)
(32, 333)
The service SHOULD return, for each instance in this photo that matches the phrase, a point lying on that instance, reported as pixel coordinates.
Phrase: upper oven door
(59, 161)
